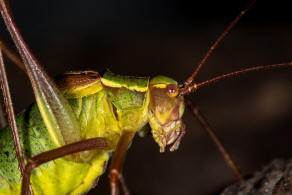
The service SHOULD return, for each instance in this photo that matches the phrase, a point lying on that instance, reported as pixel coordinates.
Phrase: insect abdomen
(56, 177)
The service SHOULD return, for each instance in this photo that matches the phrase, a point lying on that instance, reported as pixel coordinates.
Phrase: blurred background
(251, 113)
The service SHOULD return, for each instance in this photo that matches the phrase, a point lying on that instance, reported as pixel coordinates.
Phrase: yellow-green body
(57, 177)
(104, 107)
(94, 111)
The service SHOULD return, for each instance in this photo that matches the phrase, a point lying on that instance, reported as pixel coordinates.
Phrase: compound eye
(172, 90)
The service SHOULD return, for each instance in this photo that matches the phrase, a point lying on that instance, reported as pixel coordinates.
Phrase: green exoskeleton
(62, 144)
(107, 107)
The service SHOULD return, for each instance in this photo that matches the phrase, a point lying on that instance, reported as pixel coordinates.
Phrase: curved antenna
(219, 39)
(193, 87)
(206, 126)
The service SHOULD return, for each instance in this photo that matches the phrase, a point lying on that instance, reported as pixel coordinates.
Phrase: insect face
(165, 113)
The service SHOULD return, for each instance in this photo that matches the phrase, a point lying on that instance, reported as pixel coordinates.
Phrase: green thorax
(121, 101)
(130, 99)
(139, 84)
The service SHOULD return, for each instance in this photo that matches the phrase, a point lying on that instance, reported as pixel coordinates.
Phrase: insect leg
(10, 111)
(12, 56)
(3, 121)
(124, 185)
(55, 109)
(203, 122)
(11, 117)
(177, 141)
(89, 144)
(118, 162)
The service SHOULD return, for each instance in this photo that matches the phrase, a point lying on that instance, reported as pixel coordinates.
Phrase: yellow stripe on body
(160, 85)
(113, 84)
(82, 91)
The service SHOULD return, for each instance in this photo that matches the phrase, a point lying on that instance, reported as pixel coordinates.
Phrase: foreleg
(118, 162)
(89, 144)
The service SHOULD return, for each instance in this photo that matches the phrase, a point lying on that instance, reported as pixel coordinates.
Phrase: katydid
(144, 97)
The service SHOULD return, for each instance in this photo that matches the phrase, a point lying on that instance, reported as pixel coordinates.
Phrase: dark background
(250, 113)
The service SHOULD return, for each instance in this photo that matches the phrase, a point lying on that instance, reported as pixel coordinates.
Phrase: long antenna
(206, 126)
(219, 39)
(194, 86)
